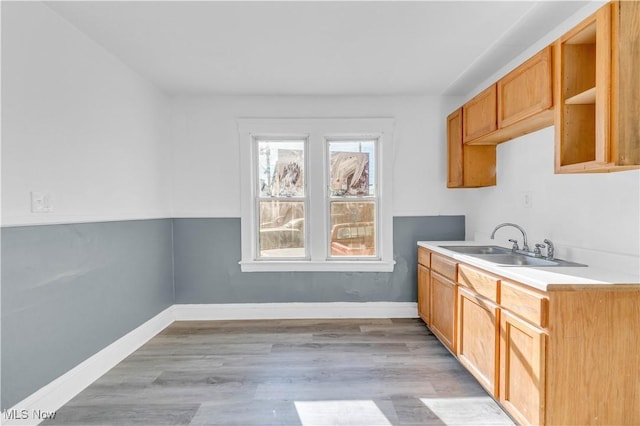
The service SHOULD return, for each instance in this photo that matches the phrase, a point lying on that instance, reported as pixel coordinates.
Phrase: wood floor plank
(246, 411)
(126, 414)
(286, 372)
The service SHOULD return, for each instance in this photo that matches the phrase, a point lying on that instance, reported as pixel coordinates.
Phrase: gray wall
(68, 291)
(207, 252)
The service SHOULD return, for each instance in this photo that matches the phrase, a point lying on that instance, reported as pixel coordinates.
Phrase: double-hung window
(316, 194)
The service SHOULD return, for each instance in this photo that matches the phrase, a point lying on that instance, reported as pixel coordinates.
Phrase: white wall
(77, 123)
(593, 218)
(206, 150)
(578, 212)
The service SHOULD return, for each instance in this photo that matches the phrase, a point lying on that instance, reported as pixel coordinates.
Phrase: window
(352, 198)
(281, 198)
(316, 194)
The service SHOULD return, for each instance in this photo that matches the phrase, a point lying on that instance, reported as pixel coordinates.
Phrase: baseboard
(239, 311)
(48, 399)
(45, 401)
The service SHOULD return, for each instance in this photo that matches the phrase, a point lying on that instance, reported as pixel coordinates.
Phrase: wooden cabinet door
(424, 281)
(625, 102)
(526, 91)
(479, 115)
(522, 370)
(478, 338)
(442, 312)
(455, 157)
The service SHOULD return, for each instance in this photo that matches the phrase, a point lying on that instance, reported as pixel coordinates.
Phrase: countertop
(537, 277)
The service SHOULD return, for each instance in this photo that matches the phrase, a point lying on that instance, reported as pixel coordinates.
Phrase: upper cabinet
(586, 83)
(597, 92)
(519, 103)
(468, 166)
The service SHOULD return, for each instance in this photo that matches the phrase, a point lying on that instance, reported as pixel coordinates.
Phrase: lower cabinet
(522, 369)
(567, 355)
(442, 309)
(496, 338)
(478, 338)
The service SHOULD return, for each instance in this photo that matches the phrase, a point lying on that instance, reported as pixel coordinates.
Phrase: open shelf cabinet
(591, 105)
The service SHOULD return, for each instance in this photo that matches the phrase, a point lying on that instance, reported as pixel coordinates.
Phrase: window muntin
(281, 200)
(352, 199)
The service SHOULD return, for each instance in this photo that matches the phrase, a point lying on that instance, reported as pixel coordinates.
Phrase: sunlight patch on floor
(477, 411)
(320, 413)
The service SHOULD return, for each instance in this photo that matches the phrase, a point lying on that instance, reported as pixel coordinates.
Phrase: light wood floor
(287, 372)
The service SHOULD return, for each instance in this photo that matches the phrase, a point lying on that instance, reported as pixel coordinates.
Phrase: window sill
(317, 266)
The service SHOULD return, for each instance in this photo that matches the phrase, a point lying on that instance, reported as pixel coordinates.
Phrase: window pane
(281, 229)
(353, 230)
(352, 168)
(281, 168)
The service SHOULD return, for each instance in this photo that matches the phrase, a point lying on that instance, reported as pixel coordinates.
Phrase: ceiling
(315, 47)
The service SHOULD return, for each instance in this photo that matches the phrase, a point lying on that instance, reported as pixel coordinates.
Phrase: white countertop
(537, 277)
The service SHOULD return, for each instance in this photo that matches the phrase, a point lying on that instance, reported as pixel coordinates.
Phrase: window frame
(317, 132)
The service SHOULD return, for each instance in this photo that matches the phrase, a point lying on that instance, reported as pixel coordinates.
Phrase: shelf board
(586, 36)
(585, 98)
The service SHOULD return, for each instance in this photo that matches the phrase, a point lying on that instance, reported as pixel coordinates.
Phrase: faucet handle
(515, 245)
(537, 252)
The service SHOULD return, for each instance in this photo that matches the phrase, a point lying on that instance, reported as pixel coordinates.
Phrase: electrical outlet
(41, 202)
(527, 199)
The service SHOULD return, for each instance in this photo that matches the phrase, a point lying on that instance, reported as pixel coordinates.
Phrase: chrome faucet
(550, 249)
(525, 245)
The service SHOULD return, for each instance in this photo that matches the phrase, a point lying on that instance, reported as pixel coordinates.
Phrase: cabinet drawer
(484, 284)
(424, 257)
(444, 266)
(527, 304)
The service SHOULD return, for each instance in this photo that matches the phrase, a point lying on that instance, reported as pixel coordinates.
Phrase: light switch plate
(41, 202)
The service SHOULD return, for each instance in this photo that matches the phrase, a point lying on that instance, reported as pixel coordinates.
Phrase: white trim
(42, 219)
(204, 214)
(315, 266)
(301, 310)
(53, 396)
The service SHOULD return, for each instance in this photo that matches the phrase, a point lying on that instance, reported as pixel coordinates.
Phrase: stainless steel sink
(515, 259)
(478, 249)
(506, 257)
